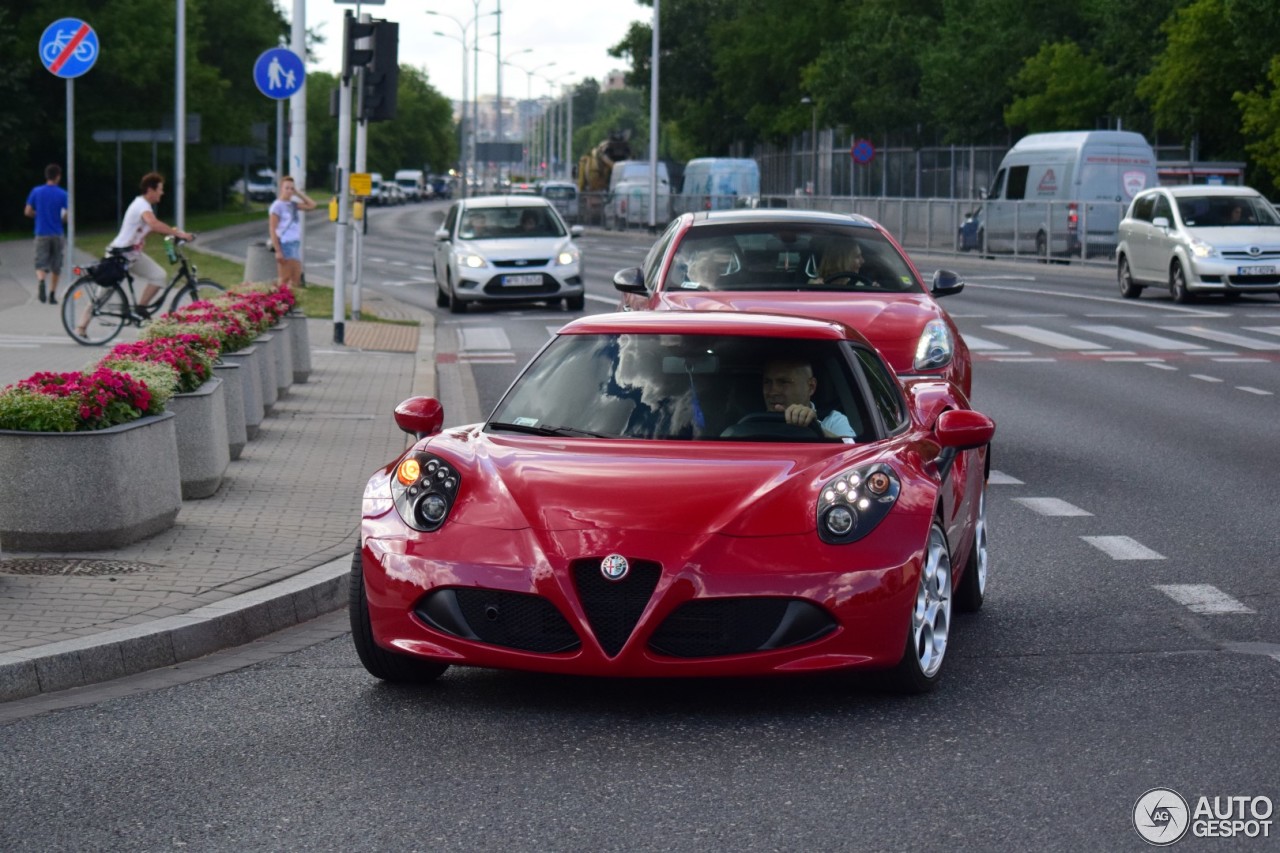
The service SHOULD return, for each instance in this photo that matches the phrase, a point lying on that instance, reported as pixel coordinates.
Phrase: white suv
(507, 248)
(1199, 239)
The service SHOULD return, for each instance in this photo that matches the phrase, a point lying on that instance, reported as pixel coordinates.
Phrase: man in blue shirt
(47, 205)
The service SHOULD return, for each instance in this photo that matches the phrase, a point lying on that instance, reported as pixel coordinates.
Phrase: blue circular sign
(69, 47)
(279, 73)
(863, 151)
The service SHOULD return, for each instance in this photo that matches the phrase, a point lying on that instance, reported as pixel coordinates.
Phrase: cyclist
(139, 221)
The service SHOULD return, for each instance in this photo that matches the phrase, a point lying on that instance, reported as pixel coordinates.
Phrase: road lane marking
(1020, 360)
(1250, 390)
(1145, 339)
(976, 343)
(1122, 548)
(483, 338)
(1202, 598)
(1266, 330)
(1052, 507)
(1204, 378)
(1000, 478)
(1159, 365)
(1221, 337)
(1057, 340)
(1243, 360)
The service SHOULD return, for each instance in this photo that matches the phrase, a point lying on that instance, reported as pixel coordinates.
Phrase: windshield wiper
(546, 430)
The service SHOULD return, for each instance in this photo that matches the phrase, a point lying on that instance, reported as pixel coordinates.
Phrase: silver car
(1199, 239)
(507, 248)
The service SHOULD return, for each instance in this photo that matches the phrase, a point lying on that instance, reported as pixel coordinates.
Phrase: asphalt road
(1130, 640)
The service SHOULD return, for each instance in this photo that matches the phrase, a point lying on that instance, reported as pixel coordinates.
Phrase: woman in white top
(286, 231)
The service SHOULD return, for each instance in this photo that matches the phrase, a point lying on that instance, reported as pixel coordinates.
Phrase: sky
(573, 34)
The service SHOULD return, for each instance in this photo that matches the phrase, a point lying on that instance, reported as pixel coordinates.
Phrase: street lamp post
(553, 139)
(462, 115)
(527, 113)
(813, 140)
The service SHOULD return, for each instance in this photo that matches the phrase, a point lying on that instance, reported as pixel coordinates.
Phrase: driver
(839, 262)
(710, 263)
(789, 385)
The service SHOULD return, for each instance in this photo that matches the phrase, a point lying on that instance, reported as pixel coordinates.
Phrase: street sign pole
(68, 257)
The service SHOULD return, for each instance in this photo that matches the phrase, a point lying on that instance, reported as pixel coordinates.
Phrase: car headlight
(1201, 249)
(851, 505)
(467, 259)
(935, 347)
(567, 257)
(423, 489)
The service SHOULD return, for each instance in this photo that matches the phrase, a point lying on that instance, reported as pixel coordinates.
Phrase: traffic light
(382, 74)
(352, 32)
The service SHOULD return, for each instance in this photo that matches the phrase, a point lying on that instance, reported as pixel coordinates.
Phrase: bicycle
(102, 299)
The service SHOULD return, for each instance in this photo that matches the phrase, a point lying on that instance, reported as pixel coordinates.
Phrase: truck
(413, 182)
(595, 168)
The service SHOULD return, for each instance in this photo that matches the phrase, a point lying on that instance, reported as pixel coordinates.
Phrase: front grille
(735, 626)
(613, 607)
(523, 262)
(1258, 280)
(1264, 255)
(513, 620)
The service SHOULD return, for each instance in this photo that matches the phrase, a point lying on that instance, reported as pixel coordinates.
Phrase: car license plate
(521, 280)
(1255, 270)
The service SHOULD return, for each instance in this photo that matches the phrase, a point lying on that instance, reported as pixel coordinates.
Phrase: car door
(1136, 231)
(444, 244)
(1163, 239)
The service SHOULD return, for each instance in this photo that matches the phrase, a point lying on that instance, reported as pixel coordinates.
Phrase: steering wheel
(849, 277)
(775, 424)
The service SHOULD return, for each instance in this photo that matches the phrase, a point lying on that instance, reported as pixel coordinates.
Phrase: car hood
(892, 322)
(516, 248)
(517, 482)
(1236, 236)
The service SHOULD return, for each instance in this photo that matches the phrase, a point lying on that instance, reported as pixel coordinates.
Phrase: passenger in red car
(789, 387)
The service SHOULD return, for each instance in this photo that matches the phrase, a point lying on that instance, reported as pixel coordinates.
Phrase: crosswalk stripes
(1102, 340)
(1203, 598)
(1228, 338)
(1057, 340)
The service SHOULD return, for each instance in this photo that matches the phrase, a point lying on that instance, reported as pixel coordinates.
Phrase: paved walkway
(270, 549)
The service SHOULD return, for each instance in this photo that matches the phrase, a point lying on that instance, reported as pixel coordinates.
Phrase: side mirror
(442, 235)
(630, 280)
(964, 429)
(946, 283)
(420, 416)
(576, 231)
(1161, 222)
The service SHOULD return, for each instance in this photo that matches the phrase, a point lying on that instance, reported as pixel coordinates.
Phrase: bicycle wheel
(204, 288)
(100, 310)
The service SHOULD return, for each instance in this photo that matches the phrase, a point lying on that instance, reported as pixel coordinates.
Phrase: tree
(1060, 88)
(1260, 109)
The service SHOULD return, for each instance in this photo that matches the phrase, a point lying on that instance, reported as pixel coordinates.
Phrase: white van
(628, 203)
(718, 183)
(413, 182)
(1064, 194)
(630, 171)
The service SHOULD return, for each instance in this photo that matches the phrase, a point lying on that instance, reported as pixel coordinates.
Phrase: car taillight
(1073, 216)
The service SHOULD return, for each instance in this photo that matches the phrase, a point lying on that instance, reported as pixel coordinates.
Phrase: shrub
(101, 399)
(190, 356)
(31, 411)
(160, 378)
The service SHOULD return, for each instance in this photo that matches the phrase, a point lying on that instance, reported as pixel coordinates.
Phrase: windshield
(559, 192)
(789, 256)
(682, 387)
(1224, 211)
(505, 223)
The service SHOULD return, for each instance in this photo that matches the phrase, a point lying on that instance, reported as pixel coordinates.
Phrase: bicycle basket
(109, 270)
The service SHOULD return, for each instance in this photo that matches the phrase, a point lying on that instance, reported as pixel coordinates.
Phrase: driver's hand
(799, 415)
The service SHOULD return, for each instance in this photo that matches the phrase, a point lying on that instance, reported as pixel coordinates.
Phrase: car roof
(712, 323)
(756, 216)
(1208, 190)
(516, 200)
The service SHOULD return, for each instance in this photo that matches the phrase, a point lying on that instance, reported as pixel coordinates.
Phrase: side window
(1162, 208)
(452, 219)
(997, 186)
(1143, 206)
(653, 260)
(885, 395)
(1017, 188)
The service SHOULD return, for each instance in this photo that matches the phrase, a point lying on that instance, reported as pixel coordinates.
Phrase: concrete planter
(301, 347)
(266, 345)
(232, 376)
(86, 491)
(284, 356)
(203, 455)
(251, 386)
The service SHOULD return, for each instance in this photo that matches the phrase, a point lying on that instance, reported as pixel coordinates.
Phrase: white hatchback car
(508, 248)
(1199, 239)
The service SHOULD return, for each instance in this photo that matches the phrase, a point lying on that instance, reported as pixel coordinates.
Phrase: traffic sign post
(862, 152)
(68, 48)
(279, 73)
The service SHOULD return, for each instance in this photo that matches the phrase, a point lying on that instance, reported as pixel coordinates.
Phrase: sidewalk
(269, 550)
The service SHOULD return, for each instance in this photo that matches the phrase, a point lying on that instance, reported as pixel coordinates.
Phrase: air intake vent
(735, 626)
(510, 619)
(613, 607)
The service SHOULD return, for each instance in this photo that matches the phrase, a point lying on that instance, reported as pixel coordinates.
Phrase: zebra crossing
(1010, 340)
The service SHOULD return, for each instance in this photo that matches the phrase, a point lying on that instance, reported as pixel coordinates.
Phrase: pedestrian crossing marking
(1053, 507)
(1144, 339)
(483, 338)
(1229, 338)
(976, 343)
(1057, 340)
(1000, 478)
(1122, 548)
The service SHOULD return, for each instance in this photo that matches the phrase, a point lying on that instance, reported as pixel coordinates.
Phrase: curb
(175, 639)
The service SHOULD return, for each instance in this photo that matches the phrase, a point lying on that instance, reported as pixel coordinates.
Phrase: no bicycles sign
(69, 47)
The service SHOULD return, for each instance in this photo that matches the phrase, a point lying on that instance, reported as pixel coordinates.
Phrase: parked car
(630, 509)
(391, 193)
(260, 186)
(413, 182)
(507, 248)
(564, 195)
(1199, 239)
(778, 261)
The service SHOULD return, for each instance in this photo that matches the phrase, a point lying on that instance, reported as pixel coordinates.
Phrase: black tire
(442, 298)
(389, 666)
(912, 674)
(1124, 276)
(1178, 285)
(575, 303)
(106, 308)
(205, 288)
(972, 590)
